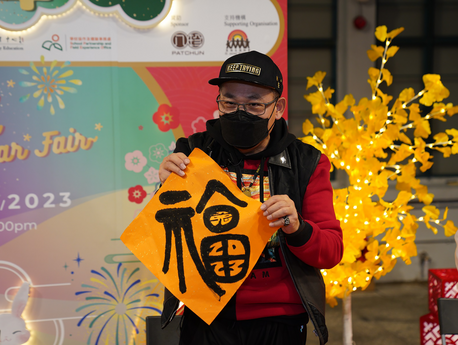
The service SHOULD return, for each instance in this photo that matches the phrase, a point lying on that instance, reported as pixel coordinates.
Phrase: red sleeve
(318, 242)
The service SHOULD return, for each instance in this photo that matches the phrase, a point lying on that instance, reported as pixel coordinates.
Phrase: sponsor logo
(49, 44)
(237, 42)
(194, 40)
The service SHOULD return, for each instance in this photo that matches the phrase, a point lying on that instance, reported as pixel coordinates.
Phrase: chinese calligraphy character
(225, 257)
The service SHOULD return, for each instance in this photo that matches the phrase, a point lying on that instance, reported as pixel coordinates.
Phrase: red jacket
(269, 291)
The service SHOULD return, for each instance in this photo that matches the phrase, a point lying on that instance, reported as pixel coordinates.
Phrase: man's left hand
(277, 208)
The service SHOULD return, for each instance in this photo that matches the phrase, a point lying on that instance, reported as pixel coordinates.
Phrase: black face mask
(244, 131)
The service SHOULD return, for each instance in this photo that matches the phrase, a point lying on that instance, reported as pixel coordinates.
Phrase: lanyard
(247, 190)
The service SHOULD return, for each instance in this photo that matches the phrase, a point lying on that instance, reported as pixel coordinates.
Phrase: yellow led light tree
(370, 141)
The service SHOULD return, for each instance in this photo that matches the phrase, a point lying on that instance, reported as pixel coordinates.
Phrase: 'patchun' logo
(237, 41)
(194, 40)
(49, 44)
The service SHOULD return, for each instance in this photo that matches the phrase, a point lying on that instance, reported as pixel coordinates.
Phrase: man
(251, 142)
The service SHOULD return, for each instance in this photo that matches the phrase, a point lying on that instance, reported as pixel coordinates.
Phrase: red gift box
(429, 332)
(441, 283)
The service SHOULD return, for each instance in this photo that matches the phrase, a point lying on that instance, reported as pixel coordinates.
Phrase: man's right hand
(175, 162)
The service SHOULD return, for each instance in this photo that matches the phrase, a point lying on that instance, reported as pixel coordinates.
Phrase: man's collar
(282, 159)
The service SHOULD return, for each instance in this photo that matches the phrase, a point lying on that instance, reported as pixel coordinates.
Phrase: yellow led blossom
(381, 140)
(382, 35)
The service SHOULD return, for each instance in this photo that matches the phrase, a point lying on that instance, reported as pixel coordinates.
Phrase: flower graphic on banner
(152, 175)
(166, 117)
(114, 306)
(135, 161)
(137, 194)
(50, 84)
(199, 124)
(157, 153)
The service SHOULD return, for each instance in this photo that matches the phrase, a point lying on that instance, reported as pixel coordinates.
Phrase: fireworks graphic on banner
(116, 305)
(50, 84)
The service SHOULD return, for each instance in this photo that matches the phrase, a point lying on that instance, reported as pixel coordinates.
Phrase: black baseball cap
(251, 67)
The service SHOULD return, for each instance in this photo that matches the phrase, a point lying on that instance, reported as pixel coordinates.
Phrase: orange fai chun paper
(200, 236)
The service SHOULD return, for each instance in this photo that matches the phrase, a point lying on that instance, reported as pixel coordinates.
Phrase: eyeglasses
(255, 108)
